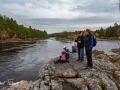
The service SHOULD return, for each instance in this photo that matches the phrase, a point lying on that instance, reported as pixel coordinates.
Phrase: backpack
(94, 41)
(63, 56)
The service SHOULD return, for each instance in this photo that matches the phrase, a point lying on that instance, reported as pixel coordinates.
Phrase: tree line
(110, 32)
(65, 34)
(10, 29)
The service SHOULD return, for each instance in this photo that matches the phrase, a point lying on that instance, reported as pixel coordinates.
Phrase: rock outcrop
(116, 50)
(22, 85)
(74, 75)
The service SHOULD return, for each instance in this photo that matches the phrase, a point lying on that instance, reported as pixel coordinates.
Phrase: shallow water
(25, 63)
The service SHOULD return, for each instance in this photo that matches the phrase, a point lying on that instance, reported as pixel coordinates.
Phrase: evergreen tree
(9, 27)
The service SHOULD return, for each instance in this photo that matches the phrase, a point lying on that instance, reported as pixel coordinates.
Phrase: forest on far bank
(111, 32)
(9, 28)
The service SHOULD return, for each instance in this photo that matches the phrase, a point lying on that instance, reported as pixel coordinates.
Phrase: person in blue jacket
(89, 41)
(67, 52)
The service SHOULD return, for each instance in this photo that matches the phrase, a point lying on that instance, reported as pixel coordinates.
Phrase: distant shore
(12, 42)
(98, 39)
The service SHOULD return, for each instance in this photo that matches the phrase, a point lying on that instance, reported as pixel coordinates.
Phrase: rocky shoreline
(8, 43)
(105, 75)
(70, 40)
(116, 50)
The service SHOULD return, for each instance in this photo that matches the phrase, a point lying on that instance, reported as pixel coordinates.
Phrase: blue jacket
(67, 55)
(89, 40)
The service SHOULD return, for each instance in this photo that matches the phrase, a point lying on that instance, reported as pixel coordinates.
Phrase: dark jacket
(89, 39)
(80, 38)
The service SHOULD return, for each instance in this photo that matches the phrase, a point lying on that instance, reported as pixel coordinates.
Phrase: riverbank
(105, 75)
(116, 50)
(8, 43)
(98, 39)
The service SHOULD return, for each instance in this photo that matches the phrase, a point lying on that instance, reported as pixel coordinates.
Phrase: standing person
(89, 41)
(80, 44)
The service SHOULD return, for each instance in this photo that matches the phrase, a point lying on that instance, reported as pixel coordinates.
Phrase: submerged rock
(98, 52)
(116, 50)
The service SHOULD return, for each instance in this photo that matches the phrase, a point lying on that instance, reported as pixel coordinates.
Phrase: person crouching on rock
(64, 57)
(89, 40)
(67, 52)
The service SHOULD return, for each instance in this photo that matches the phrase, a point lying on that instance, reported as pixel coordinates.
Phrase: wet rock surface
(74, 75)
(116, 50)
(22, 85)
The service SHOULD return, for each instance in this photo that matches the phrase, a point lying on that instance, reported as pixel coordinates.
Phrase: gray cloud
(62, 15)
(99, 6)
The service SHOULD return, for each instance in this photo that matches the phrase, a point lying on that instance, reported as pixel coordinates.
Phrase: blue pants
(81, 54)
(89, 57)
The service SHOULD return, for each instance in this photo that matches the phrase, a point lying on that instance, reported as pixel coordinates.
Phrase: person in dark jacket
(80, 44)
(89, 40)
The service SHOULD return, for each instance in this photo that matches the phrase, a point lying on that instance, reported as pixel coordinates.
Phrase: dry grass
(86, 82)
(116, 79)
(100, 57)
(55, 74)
(102, 84)
(116, 63)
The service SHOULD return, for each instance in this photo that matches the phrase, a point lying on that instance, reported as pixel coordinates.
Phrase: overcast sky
(62, 15)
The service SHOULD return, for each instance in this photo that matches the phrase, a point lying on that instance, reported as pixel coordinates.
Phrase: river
(24, 64)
